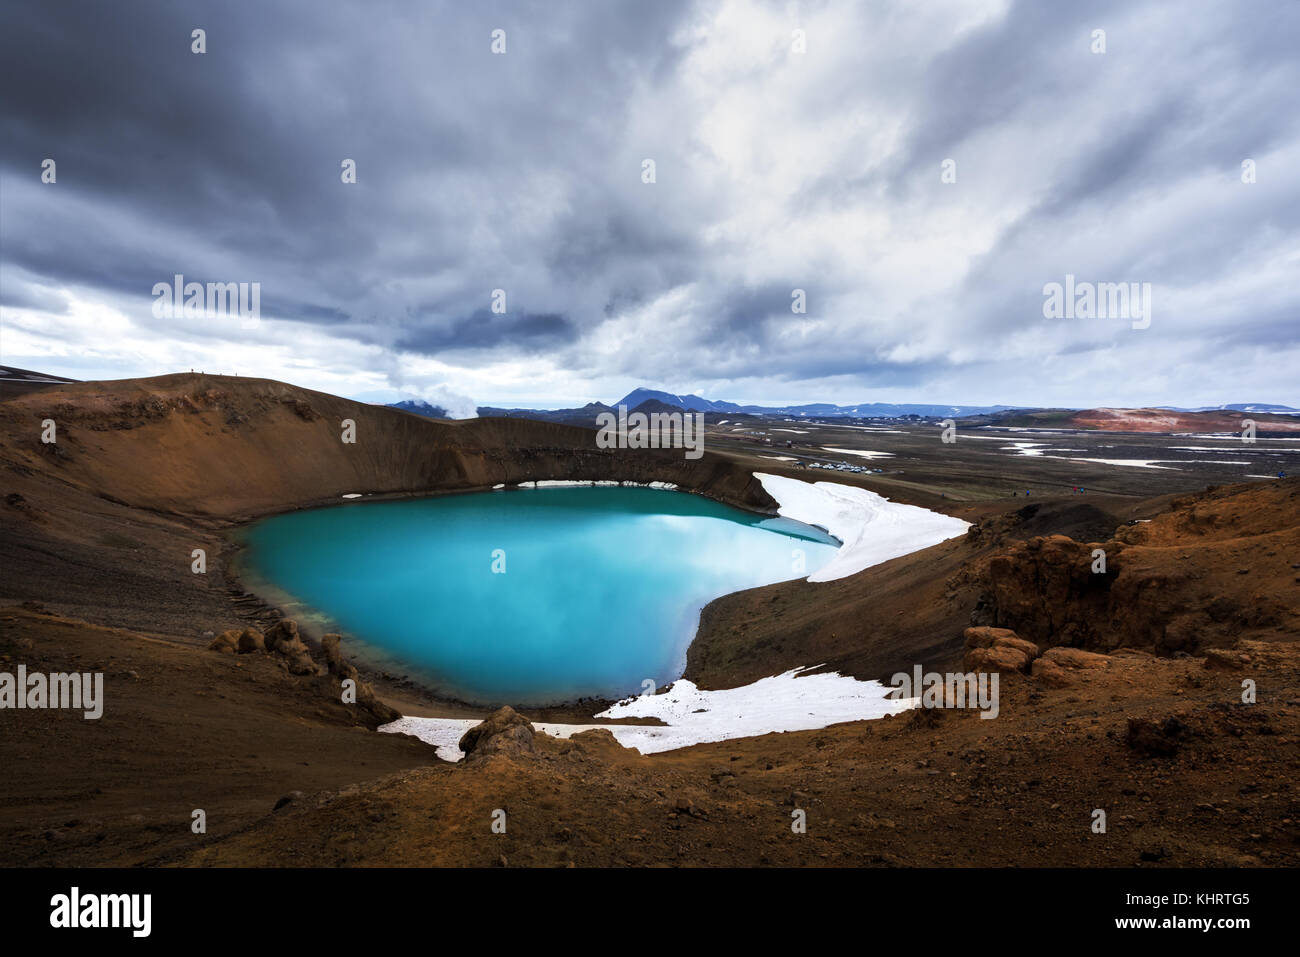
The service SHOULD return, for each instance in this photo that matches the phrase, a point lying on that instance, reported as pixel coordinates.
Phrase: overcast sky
(776, 168)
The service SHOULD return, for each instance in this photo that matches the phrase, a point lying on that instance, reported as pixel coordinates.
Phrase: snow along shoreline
(871, 527)
(785, 702)
(873, 530)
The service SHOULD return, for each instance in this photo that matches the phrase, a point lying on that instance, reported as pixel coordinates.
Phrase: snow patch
(787, 702)
(872, 528)
(865, 453)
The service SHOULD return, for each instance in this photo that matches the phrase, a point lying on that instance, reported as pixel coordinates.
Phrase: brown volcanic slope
(231, 448)
(101, 526)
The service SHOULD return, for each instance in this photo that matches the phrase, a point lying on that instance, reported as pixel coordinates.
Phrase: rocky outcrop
(235, 641)
(1213, 569)
(1002, 650)
(504, 732)
(1045, 588)
(284, 630)
(285, 645)
(341, 670)
(997, 649)
(330, 646)
(283, 639)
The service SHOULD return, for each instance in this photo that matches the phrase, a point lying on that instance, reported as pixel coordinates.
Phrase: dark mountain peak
(655, 405)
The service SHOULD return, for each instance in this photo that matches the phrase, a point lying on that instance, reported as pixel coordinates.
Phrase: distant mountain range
(654, 400)
(695, 403)
(15, 381)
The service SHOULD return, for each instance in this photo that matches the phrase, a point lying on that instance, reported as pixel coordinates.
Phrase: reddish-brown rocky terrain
(1155, 420)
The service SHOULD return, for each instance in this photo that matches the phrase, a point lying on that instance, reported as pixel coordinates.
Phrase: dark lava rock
(291, 798)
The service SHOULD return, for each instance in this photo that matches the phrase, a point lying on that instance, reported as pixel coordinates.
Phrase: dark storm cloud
(526, 333)
(240, 148)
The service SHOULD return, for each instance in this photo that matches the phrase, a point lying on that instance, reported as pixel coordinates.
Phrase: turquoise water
(601, 589)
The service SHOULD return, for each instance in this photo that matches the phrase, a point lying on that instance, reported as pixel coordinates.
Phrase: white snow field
(872, 528)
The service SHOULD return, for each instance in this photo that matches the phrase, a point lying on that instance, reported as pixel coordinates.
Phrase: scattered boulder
(251, 640)
(227, 643)
(286, 630)
(505, 732)
(685, 807)
(283, 641)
